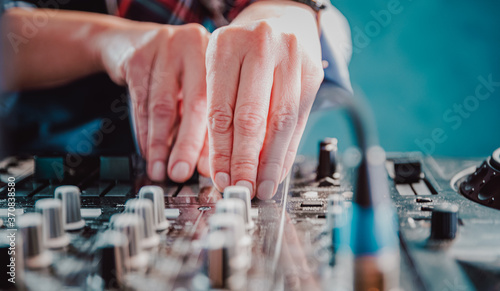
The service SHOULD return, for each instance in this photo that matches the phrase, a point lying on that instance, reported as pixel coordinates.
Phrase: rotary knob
(70, 197)
(483, 186)
(444, 222)
(53, 229)
(36, 256)
(144, 209)
(131, 226)
(155, 194)
(114, 257)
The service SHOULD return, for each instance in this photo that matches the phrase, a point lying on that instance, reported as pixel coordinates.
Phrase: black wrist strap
(316, 5)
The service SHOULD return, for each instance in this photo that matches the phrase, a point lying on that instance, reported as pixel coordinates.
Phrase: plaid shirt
(210, 13)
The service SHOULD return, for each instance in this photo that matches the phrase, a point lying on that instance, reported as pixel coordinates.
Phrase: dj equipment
(356, 220)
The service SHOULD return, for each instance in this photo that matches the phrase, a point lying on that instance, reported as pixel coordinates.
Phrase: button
(155, 194)
(36, 255)
(427, 208)
(114, 168)
(70, 197)
(407, 172)
(444, 222)
(423, 200)
(53, 224)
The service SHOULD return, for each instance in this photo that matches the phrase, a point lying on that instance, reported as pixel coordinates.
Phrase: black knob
(444, 222)
(483, 186)
(327, 164)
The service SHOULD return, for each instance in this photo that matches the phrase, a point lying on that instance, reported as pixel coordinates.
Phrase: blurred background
(419, 63)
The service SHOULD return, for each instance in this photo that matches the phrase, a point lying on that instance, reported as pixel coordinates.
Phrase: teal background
(427, 58)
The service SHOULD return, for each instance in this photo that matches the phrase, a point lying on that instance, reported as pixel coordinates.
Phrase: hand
(263, 72)
(164, 69)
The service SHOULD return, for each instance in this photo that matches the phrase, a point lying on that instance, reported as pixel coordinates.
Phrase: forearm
(63, 49)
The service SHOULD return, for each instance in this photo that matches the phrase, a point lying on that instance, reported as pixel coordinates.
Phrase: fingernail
(265, 190)
(221, 180)
(245, 184)
(180, 171)
(158, 172)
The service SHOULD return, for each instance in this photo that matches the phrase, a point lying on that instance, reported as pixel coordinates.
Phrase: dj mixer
(353, 220)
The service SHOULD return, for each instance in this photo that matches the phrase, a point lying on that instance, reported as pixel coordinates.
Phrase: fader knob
(327, 164)
(444, 222)
(155, 194)
(243, 194)
(114, 258)
(70, 197)
(144, 209)
(35, 254)
(131, 226)
(53, 229)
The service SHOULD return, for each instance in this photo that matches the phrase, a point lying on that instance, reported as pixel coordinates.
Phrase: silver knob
(131, 226)
(242, 193)
(113, 251)
(36, 255)
(70, 197)
(155, 194)
(53, 229)
(228, 257)
(144, 209)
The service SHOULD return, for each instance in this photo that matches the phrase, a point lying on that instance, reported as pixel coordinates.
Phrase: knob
(228, 257)
(12, 258)
(113, 251)
(70, 197)
(243, 194)
(53, 229)
(155, 194)
(131, 226)
(144, 209)
(483, 186)
(327, 164)
(233, 206)
(36, 255)
(444, 222)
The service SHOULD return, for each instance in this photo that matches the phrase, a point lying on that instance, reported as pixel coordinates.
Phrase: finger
(223, 71)
(138, 79)
(250, 119)
(203, 165)
(191, 136)
(163, 113)
(283, 116)
(309, 88)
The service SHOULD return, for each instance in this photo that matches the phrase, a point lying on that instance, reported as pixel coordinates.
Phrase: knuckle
(198, 105)
(163, 108)
(243, 166)
(188, 146)
(220, 121)
(248, 120)
(284, 121)
(221, 158)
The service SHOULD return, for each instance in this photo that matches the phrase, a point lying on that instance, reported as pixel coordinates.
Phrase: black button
(406, 171)
(424, 200)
